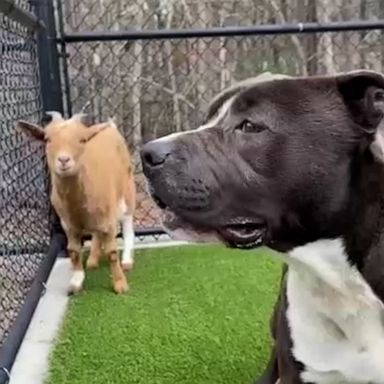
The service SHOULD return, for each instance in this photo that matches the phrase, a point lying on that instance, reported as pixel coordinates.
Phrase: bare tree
(295, 40)
(202, 64)
(171, 70)
(155, 87)
(324, 11)
(136, 81)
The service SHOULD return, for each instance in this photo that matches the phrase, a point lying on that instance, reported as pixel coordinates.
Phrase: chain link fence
(155, 87)
(106, 15)
(24, 209)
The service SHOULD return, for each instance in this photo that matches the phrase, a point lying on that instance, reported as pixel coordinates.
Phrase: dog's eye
(248, 127)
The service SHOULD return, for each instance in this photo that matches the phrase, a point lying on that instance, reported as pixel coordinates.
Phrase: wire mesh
(24, 209)
(162, 86)
(26, 5)
(92, 15)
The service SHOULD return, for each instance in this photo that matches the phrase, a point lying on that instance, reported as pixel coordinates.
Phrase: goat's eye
(83, 140)
(47, 139)
(248, 127)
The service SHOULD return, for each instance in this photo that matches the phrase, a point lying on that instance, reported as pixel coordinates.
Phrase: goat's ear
(363, 94)
(93, 130)
(32, 130)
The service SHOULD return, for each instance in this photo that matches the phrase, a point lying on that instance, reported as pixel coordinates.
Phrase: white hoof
(127, 265)
(76, 283)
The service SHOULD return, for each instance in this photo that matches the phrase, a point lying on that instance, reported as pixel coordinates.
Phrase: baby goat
(93, 190)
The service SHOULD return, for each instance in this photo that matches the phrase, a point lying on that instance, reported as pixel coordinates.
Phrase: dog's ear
(363, 94)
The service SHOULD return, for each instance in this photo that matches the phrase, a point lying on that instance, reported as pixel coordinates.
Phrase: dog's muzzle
(190, 212)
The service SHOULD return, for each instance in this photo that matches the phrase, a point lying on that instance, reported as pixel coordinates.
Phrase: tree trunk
(312, 39)
(137, 67)
(381, 11)
(171, 73)
(224, 75)
(326, 47)
(202, 65)
(295, 40)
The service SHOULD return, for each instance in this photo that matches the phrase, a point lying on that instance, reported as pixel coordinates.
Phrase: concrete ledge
(32, 359)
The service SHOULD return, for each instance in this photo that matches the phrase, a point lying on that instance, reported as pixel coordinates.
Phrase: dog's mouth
(239, 232)
(158, 201)
(243, 235)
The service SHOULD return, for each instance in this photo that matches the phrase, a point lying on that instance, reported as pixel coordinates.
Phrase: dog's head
(273, 164)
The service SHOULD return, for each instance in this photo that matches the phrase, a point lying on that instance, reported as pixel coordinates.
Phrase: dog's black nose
(154, 153)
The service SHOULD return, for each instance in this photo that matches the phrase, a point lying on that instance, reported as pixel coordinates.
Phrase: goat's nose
(154, 153)
(64, 159)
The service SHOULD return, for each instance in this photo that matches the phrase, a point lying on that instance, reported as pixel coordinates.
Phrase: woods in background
(161, 86)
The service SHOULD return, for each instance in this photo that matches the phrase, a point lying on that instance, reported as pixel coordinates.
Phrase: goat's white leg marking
(128, 242)
(126, 219)
(77, 280)
(63, 225)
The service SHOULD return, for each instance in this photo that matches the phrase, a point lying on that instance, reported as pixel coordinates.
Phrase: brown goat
(93, 189)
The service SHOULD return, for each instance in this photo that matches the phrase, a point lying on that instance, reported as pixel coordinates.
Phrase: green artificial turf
(193, 315)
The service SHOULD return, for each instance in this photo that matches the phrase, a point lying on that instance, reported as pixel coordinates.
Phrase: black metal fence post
(49, 58)
(50, 79)
(31, 59)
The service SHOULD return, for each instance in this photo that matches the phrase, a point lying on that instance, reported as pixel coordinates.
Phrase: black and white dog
(295, 164)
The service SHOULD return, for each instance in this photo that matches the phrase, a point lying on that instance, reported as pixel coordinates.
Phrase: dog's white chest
(335, 319)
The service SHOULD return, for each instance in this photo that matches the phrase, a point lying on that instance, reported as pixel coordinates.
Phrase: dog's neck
(364, 235)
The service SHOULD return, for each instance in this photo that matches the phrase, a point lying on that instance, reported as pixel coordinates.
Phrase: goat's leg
(127, 223)
(94, 254)
(118, 278)
(74, 251)
(128, 242)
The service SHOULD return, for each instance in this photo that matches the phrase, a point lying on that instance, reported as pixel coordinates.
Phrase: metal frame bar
(256, 30)
(10, 9)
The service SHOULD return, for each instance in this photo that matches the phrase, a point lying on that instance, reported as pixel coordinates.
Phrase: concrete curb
(32, 359)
